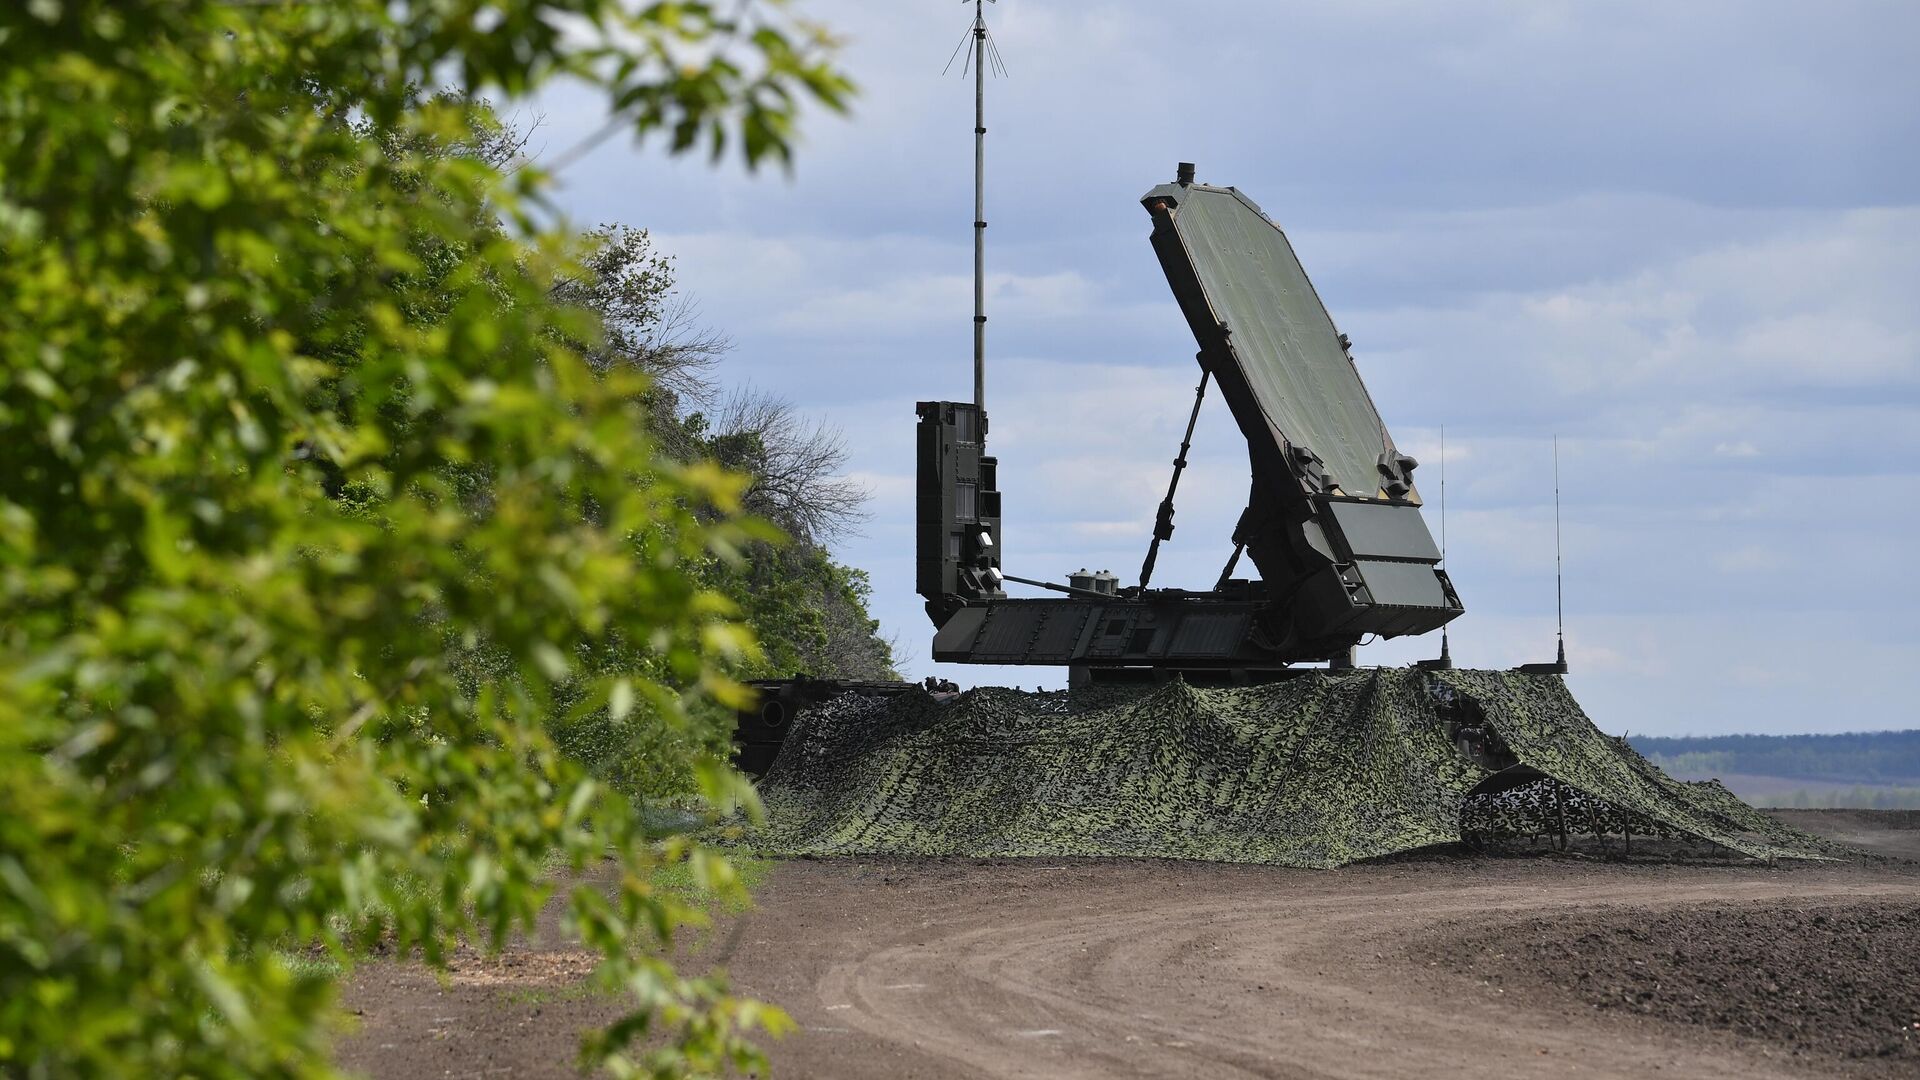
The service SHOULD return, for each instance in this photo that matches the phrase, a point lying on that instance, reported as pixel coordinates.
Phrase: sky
(1683, 238)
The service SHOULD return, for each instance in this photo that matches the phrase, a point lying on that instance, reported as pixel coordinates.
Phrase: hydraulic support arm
(1163, 521)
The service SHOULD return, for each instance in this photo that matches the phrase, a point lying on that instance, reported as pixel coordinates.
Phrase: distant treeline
(1875, 757)
(1853, 798)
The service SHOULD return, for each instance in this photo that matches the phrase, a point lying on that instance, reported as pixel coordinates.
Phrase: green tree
(292, 425)
(808, 613)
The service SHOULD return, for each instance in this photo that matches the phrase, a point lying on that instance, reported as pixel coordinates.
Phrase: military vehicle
(1332, 523)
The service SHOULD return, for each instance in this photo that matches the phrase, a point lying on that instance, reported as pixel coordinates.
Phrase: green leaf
(621, 700)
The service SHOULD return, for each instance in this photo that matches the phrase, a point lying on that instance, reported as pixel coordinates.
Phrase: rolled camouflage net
(1318, 770)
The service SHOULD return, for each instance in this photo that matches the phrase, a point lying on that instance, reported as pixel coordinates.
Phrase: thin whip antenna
(1445, 653)
(1443, 495)
(1559, 605)
(964, 40)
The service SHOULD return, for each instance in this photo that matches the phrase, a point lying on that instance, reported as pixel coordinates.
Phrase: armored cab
(1332, 522)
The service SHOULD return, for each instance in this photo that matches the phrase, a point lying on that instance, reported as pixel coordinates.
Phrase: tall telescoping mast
(981, 51)
(979, 208)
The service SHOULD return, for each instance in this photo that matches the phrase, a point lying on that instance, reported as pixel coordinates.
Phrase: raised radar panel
(1333, 518)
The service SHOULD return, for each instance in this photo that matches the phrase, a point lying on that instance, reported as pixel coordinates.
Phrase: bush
(290, 430)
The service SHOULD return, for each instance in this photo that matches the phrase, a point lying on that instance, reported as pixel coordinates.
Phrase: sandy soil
(1098, 969)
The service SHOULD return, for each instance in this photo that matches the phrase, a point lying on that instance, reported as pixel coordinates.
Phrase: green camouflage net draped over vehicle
(1319, 770)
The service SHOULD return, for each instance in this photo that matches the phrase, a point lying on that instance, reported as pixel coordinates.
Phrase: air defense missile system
(1233, 742)
(1332, 524)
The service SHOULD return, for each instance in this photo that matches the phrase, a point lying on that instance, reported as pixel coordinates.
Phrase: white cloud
(1818, 307)
(884, 487)
(904, 304)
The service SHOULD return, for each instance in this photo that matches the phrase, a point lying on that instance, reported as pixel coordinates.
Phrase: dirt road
(1178, 970)
(1104, 969)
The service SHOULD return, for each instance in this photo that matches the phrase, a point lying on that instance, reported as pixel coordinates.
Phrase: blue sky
(1683, 237)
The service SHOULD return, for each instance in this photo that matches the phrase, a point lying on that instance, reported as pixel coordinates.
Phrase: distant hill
(1878, 769)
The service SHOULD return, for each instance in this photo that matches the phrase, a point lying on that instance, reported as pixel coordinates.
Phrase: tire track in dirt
(1306, 981)
(937, 969)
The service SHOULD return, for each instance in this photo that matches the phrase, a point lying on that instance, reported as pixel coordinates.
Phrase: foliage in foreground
(808, 613)
(240, 552)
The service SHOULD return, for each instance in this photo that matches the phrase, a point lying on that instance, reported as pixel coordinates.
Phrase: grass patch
(311, 964)
(678, 880)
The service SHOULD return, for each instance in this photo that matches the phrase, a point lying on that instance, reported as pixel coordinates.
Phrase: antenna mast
(981, 51)
(980, 207)
(1559, 665)
(1559, 606)
(1446, 656)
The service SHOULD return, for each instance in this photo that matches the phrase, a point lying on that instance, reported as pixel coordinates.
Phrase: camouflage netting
(1319, 770)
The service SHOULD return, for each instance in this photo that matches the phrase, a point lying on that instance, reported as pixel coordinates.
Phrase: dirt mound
(1834, 981)
(1320, 770)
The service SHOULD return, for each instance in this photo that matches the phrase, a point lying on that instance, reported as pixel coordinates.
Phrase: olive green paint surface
(1315, 771)
(1281, 335)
